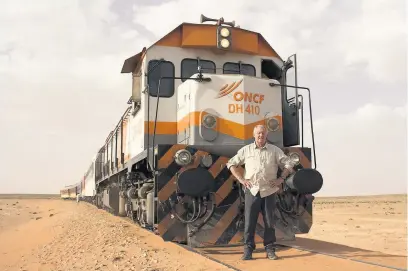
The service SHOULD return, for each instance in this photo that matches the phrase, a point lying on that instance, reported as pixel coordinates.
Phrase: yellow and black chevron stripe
(222, 228)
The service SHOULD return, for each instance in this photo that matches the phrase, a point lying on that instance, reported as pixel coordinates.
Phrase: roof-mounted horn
(220, 21)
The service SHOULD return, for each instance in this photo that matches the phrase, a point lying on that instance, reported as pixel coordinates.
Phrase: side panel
(126, 132)
(136, 134)
(114, 149)
(99, 165)
(119, 146)
(109, 155)
(183, 110)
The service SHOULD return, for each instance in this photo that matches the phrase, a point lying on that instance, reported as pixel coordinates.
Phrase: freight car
(197, 94)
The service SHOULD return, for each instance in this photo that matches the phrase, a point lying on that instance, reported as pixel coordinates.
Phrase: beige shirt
(261, 166)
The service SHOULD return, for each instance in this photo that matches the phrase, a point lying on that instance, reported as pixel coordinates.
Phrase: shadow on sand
(311, 247)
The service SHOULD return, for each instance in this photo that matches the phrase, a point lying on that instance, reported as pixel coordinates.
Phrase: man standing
(260, 183)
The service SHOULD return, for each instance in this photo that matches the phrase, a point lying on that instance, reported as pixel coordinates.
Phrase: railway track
(295, 257)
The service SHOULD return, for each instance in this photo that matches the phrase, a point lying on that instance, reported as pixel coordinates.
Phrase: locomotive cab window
(270, 69)
(189, 66)
(239, 68)
(158, 69)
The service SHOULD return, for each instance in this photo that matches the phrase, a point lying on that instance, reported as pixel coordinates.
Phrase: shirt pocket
(270, 163)
(251, 163)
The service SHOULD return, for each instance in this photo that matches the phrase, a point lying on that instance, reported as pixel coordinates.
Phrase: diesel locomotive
(197, 93)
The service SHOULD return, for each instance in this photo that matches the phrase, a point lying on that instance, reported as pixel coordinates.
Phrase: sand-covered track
(316, 255)
(295, 258)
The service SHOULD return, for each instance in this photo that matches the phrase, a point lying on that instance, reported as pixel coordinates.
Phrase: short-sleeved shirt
(261, 166)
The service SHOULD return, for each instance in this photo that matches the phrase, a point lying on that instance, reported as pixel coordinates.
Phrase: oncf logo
(227, 89)
(239, 96)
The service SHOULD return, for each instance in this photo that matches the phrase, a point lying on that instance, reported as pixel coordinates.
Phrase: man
(260, 183)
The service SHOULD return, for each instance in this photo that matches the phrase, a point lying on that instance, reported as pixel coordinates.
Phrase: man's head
(260, 133)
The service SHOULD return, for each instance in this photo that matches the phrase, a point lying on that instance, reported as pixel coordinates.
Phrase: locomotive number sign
(251, 99)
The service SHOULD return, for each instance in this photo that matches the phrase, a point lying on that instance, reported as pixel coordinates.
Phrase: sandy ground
(52, 234)
(376, 223)
(61, 235)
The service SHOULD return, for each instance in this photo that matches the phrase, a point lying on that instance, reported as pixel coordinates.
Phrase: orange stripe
(224, 190)
(223, 87)
(218, 166)
(226, 187)
(162, 127)
(223, 223)
(238, 237)
(227, 127)
(168, 221)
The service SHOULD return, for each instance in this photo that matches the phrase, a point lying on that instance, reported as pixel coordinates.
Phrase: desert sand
(376, 223)
(52, 234)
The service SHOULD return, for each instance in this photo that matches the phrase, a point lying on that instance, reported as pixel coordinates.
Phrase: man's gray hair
(260, 126)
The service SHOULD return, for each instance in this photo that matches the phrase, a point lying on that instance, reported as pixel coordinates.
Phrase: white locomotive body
(197, 94)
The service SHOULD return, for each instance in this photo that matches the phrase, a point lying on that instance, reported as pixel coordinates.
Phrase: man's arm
(234, 170)
(232, 165)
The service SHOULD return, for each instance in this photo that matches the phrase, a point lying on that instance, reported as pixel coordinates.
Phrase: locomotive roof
(189, 35)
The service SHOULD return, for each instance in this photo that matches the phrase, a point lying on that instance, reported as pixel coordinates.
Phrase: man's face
(260, 135)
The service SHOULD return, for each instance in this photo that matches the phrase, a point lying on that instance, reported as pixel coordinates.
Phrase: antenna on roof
(220, 21)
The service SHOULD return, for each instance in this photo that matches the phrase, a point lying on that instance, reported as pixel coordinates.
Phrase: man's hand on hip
(277, 182)
(246, 183)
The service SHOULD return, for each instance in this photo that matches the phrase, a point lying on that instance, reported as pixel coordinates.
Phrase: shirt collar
(256, 147)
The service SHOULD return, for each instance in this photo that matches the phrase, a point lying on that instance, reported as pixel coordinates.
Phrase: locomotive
(197, 94)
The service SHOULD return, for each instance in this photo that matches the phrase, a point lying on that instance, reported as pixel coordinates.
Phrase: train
(197, 93)
(71, 191)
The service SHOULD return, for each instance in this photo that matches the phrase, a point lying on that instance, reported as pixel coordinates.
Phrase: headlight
(225, 43)
(206, 160)
(209, 121)
(183, 157)
(294, 158)
(272, 124)
(224, 32)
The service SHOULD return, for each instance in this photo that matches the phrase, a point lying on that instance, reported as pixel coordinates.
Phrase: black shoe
(270, 254)
(247, 254)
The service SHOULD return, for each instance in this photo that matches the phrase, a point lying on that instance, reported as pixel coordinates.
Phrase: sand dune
(51, 234)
